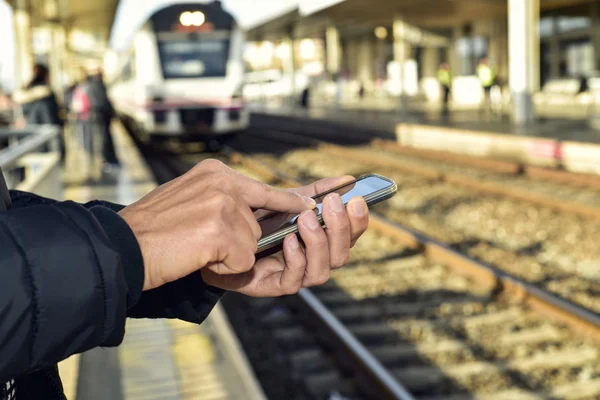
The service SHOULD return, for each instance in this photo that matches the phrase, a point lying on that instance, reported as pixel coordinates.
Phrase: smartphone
(276, 226)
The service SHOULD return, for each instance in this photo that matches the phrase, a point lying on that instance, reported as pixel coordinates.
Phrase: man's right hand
(204, 219)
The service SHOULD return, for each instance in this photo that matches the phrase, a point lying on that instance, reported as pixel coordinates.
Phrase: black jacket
(69, 276)
(39, 105)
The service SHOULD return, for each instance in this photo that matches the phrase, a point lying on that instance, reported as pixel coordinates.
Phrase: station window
(546, 27)
(568, 24)
(469, 51)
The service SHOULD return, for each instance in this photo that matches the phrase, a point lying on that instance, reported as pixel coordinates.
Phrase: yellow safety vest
(487, 75)
(444, 77)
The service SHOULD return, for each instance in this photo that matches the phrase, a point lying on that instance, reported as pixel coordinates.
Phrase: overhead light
(282, 50)
(381, 32)
(307, 49)
(195, 18)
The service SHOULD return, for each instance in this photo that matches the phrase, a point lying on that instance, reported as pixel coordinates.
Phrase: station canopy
(358, 16)
(93, 17)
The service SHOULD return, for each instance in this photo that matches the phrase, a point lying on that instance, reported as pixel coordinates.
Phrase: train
(182, 75)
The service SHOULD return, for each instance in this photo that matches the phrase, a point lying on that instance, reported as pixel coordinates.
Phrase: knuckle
(267, 188)
(292, 288)
(323, 278)
(228, 203)
(339, 262)
(211, 164)
(214, 229)
(248, 262)
(257, 230)
(222, 203)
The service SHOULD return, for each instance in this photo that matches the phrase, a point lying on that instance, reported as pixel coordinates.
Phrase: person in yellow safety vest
(444, 76)
(487, 77)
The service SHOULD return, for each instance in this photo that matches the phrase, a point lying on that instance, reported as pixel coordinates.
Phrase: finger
(250, 219)
(338, 230)
(295, 265)
(322, 185)
(228, 282)
(260, 195)
(238, 250)
(317, 250)
(358, 214)
(312, 190)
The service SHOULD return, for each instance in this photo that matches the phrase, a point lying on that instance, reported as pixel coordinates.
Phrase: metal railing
(30, 159)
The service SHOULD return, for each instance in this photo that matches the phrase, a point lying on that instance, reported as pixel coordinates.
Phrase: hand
(295, 267)
(204, 219)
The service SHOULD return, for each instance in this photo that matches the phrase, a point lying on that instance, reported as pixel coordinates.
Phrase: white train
(182, 75)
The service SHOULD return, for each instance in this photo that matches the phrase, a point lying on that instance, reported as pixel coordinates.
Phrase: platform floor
(385, 117)
(159, 359)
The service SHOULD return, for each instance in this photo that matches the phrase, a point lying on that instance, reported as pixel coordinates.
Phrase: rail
(31, 160)
(578, 317)
(384, 383)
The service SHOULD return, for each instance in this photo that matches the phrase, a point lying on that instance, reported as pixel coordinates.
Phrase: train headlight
(195, 18)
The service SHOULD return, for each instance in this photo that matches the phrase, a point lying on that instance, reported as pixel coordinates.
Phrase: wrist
(125, 242)
(136, 223)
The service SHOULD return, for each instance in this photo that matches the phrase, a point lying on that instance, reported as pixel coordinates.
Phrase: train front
(199, 49)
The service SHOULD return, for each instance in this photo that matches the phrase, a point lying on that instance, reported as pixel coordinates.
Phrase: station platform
(570, 143)
(159, 359)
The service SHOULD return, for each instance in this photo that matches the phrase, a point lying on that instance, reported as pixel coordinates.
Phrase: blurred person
(6, 109)
(361, 90)
(339, 86)
(305, 97)
(69, 92)
(444, 76)
(80, 106)
(102, 113)
(70, 274)
(38, 103)
(487, 77)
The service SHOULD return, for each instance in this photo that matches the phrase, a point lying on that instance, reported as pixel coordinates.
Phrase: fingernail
(293, 242)
(310, 201)
(359, 208)
(310, 221)
(336, 203)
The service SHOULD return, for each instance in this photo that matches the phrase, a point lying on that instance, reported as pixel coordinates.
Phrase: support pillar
(401, 54)
(498, 48)
(595, 13)
(24, 59)
(58, 43)
(524, 57)
(452, 55)
(431, 62)
(289, 65)
(366, 63)
(56, 58)
(333, 50)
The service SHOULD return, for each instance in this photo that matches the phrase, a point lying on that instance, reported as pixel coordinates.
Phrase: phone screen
(360, 187)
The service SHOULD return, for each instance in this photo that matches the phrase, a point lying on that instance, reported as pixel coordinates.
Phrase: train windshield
(202, 58)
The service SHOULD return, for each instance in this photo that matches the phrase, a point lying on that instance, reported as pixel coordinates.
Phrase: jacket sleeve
(188, 299)
(63, 289)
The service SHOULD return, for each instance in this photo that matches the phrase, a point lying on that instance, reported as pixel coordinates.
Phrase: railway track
(447, 336)
(554, 249)
(480, 333)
